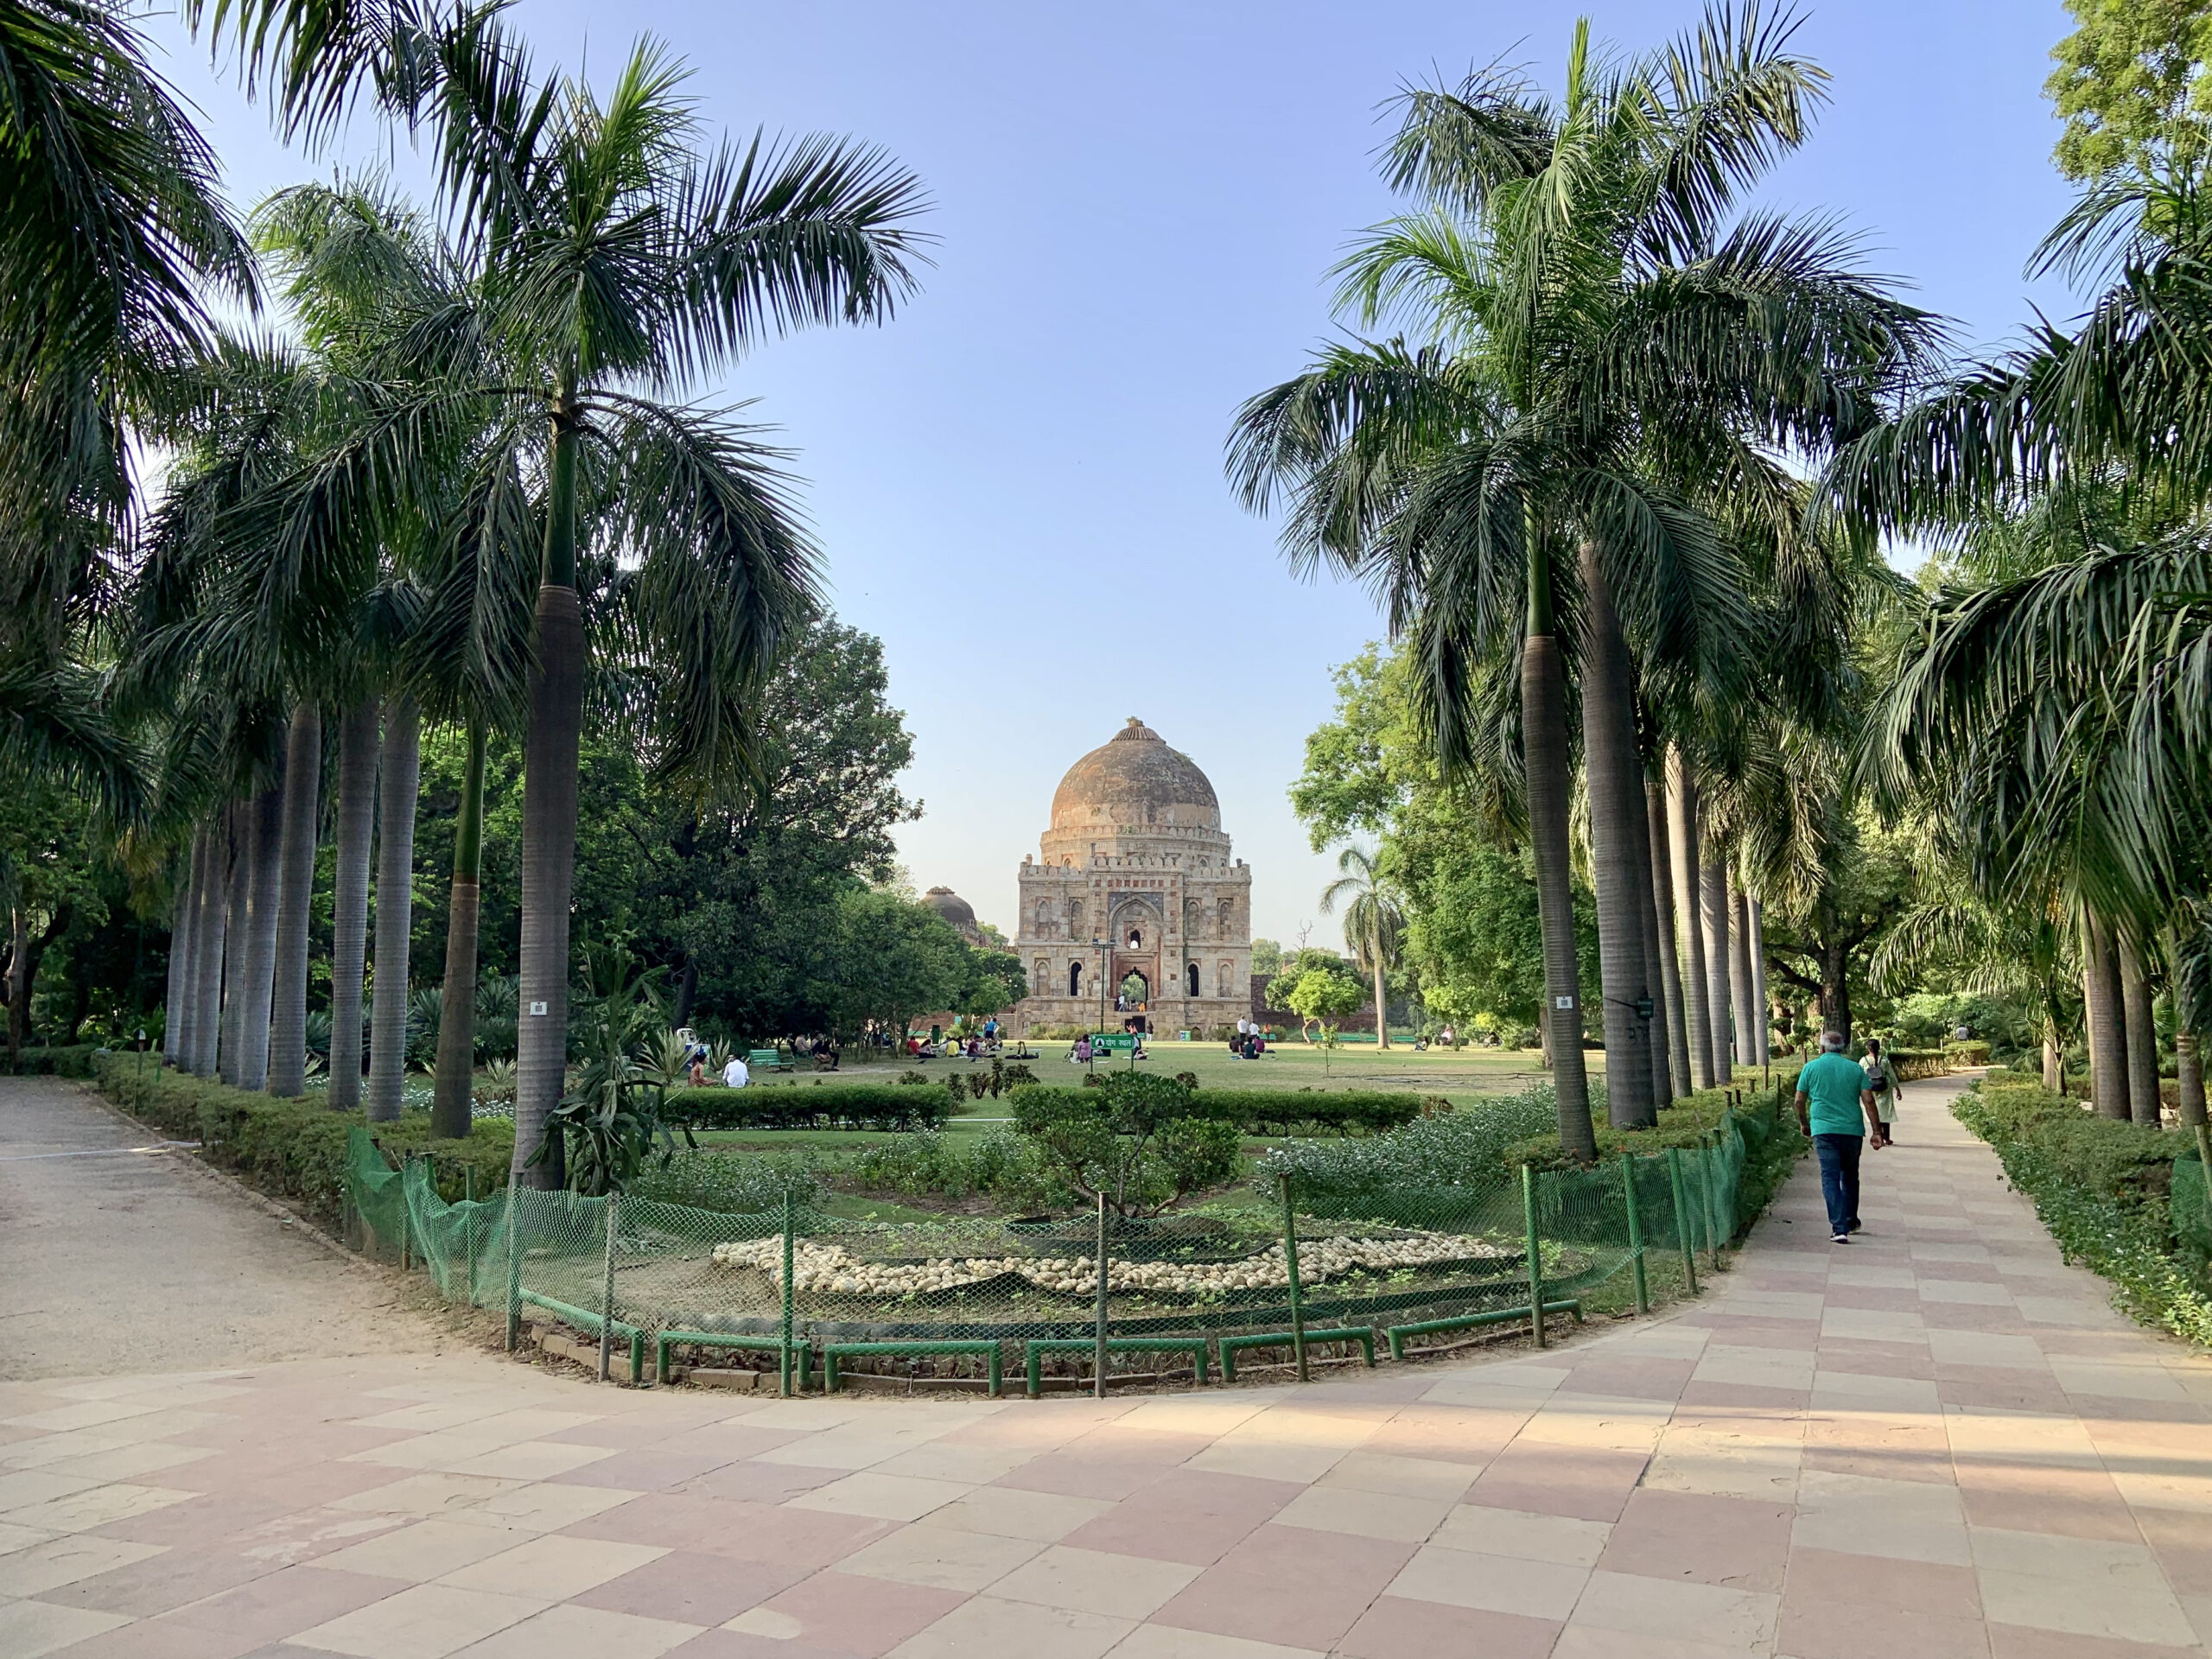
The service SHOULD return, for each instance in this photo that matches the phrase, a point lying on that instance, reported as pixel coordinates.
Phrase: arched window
(1136, 940)
(1190, 974)
(1074, 919)
(1225, 978)
(1228, 918)
(1074, 979)
(1190, 919)
(1043, 917)
(1043, 976)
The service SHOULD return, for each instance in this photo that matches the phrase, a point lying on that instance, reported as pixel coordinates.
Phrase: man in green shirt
(1835, 1108)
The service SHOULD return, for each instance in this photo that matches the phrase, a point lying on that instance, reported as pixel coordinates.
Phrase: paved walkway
(1936, 1441)
(177, 1271)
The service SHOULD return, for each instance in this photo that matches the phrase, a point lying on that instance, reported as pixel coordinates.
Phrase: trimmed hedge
(2104, 1189)
(832, 1106)
(62, 1060)
(295, 1149)
(1284, 1112)
(2117, 1160)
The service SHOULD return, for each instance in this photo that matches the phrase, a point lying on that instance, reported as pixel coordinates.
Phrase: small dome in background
(955, 910)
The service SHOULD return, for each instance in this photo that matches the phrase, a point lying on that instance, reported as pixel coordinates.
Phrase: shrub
(1458, 1148)
(1139, 1140)
(929, 1165)
(296, 1149)
(2094, 1182)
(734, 1183)
(69, 1060)
(1281, 1112)
(833, 1106)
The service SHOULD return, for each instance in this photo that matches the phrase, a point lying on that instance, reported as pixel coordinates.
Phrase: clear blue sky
(1018, 482)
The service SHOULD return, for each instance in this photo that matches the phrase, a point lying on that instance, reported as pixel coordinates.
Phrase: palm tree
(607, 264)
(1374, 922)
(1612, 368)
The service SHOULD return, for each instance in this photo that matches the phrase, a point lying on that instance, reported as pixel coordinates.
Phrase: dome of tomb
(955, 910)
(1133, 779)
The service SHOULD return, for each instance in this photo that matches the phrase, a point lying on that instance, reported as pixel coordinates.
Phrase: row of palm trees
(471, 490)
(1566, 481)
(1577, 482)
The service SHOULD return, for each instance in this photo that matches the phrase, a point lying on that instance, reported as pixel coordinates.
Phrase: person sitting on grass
(736, 1074)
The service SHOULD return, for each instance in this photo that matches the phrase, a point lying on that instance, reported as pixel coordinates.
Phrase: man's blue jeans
(1838, 1155)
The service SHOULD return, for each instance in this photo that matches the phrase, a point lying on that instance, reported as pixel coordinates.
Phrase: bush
(833, 1106)
(734, 1183)
(2095, 1182)
(998, 1163)
(1140, 1142)
(69, 1060)
(1458, 1148)
(1282, 1112)
(2129, 1166)
(296, 1149)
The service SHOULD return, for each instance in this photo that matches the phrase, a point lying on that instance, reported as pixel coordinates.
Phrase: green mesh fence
(1423, 1263)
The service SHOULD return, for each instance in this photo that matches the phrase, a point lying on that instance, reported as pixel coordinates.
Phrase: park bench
(765, 1059)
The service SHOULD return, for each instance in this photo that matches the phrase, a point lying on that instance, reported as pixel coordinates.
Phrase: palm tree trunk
(2188, 1076)
(19, 978)
(548, 836)
(1382, 1008)
(1614, 776)
(399, 780)
(449, 1111)
(288, 1037)
(261, 938)
(175, 1022)
(1662, 919)
(2142, 1037)
(207, 992)
(2054, 1074)
(349, 922)
(1638, 813)
(2100, 999)
(1688, 888)
(1544, 737)
(1740, 1000)
(1715, 875)
(1762, 1027)
(235, 942)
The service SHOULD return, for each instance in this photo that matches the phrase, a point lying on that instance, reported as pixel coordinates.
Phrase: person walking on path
(1882, 1078)
(1836, 1108)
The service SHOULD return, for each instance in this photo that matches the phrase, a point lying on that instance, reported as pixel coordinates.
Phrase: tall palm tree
(1374, 924)
(609, 264)
(1611, 368)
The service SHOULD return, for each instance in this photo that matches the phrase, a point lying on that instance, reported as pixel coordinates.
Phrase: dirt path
(116, 1261)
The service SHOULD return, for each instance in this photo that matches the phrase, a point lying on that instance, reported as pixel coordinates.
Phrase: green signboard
(1116, 1042)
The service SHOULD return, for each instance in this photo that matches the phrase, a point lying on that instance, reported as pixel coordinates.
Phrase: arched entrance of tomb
(1136, 989)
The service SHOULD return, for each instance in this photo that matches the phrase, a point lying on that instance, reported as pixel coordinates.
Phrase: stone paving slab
(1936, 1440)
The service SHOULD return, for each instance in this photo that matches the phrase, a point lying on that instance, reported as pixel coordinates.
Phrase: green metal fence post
(606, 1304)
(1536, 1256)
(784, 1365)
(1297, 1291)
(1682, 1235)
(1099, 1311)
(468, 1230)
(1635, 1232)
(1718, 1227)
(514, 1268)
(406, 1163)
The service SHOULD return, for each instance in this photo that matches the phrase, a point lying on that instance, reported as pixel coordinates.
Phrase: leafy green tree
(1375, 924)
(1321, 998)
(2131, 88)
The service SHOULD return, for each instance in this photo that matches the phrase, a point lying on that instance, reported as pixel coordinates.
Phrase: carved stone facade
(1134, 885)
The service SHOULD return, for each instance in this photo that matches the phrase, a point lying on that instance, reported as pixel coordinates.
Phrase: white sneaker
(1839, 1238)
